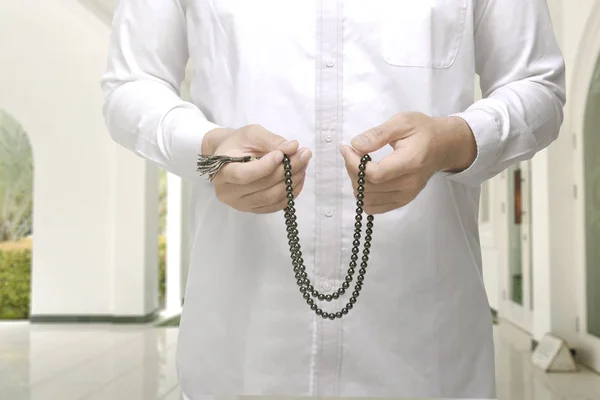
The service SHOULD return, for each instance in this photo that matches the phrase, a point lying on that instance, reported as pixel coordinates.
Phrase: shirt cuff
(183, 129)
(487, 134)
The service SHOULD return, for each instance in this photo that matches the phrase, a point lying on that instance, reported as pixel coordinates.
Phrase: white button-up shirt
(322, 72)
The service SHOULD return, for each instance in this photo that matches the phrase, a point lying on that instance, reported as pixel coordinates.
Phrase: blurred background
(94, 241)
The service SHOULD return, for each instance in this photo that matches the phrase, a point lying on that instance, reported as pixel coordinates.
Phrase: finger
(352, 159)
(262, 140)
(391, 167)
(298, 162)
(391, 130)
(277, 180)
(281, 204)
(246, 173)
(408, 182)
(271, 195)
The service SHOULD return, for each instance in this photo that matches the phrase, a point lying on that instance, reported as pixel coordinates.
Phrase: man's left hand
(422, 146)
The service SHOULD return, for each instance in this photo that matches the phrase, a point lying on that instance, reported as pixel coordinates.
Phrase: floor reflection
(106, 362)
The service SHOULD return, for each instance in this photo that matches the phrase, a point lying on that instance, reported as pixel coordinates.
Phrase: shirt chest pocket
(422, 33)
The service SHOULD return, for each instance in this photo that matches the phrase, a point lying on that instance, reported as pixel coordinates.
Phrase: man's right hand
(256, 186)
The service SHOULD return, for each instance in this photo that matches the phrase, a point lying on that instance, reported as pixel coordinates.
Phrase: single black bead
(371, 218)
(355, 250)
(369, 224)
(345, 311)
(335, 295)
(345, 285)
(358, 225)
(354, 257)
(325, 315)
(350, 271)
(361, 174)
(349, 306)
(328, 297)
(310, 288)
(361, 167)
(300, 281)
(288, 174)
(303, 274)
(355, 294)
(314, 293)
(365, 158)
(288, 181)
(306, 296)
(360, 278)
(338, 315)
(302, 289)
(331, 316)
(341, 291)
(321, 297)
(353, 300)
(362, 271)
(353, 264)
(356, 243)
(287, 166)
(360, 188)
(369, 231)
(358, 287)
(360, 203)
(348, 279)
(309, 301)
(359, 210)
(363, 264)
(361, 181)
(289, 189)
(358, 217)
(314, 307)
(360, 196)
(297, 276)
(318, 311)
(357, 236)
(367, 245)
(290, 195)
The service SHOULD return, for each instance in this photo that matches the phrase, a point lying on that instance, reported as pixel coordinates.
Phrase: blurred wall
(95, 208)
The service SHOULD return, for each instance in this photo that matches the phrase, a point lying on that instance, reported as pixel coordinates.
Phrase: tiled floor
(69, 362)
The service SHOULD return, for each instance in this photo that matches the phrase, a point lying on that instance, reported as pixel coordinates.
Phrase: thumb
(373, 139)
(265, 141)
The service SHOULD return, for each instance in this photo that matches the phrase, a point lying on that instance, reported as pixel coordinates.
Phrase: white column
(174, 244)
(135, 262)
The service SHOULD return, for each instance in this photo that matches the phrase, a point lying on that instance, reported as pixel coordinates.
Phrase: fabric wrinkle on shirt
(322, 72)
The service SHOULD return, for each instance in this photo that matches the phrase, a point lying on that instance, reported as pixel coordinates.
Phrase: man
(326, 82)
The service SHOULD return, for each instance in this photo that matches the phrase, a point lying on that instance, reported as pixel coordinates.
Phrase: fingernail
(305, 155)
(278, 156)
(360, 141)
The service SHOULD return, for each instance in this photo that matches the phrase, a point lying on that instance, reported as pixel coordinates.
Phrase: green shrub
(162, 270)
(15, 278)
(15, 283)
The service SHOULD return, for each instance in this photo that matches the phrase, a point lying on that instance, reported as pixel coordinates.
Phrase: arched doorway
(16, 209)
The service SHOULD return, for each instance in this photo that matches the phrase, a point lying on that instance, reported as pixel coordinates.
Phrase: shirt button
(330, 61)
(329, 213)
(326, 286)
(328, 138)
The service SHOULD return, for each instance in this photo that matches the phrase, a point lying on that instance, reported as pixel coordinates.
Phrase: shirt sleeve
(522, 75)
(143, 109)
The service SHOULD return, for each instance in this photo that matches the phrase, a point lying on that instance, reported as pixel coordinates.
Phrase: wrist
(212, 139)
(457, 148)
